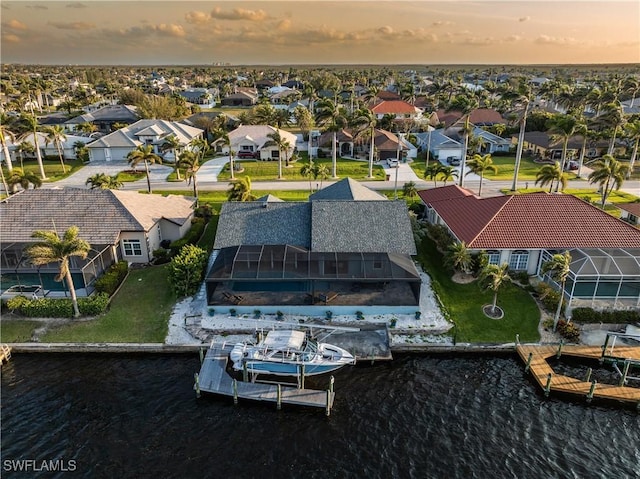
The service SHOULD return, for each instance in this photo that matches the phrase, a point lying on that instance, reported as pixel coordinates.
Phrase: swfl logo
(32, 465)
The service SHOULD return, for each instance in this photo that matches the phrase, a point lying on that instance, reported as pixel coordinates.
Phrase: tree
(409, 190)
(31, 125)
(492, 277)
(612, 117)
(240, 190)
(633, 133)
(558, 268)
(53, 249)
(521, 98)
(447, 173)
(333, 117)
(22, 148)
(366, 120)
(321, 171)
(222, 137)
(550, 173)
(432, 171)
(5, 134)
(145, 154)
(466, 104)
(87, 128)
(479, 165)
(172, 143)
(609, 173)
(104, 182)
(307, 171)
(24, 178)
(55, 134)
(187, 269)
(562, 128)
(304, 120)
(190, 162)
(459, 257)
(283, 147)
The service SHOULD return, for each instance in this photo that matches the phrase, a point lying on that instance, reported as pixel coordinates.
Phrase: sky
(89, 32)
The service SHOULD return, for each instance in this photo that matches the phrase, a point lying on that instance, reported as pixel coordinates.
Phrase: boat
(285, 352)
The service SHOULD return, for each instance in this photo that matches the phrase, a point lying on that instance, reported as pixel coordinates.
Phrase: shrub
(191, 237)
(15, 303)
(204, 211)
(521, 277)
(93, 305)
(112, 278)
(161, 256)
(186, 270)
(588, 315)
(60, 307)
(549, 297)
(440, 234)
(568, 331)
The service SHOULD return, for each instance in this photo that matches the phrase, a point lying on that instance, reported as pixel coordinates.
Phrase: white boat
(284, 352)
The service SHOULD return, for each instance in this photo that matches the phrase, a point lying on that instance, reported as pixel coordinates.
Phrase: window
(519, 260)
(131, 247)
(493, 257)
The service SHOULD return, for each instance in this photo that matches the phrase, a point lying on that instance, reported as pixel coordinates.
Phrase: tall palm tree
(459, 257)
(172, 143)
(145, 154)
(283, 147)
(307, 171)
(55, 134)
(190, 161)
(609, 173)
(321, 171)
(632, 131)
(24, 178)
(558, 268)
(104, 182)
(53, 249)
(222, 138)
(447, 173)
(240, 190)
(87, 128)
(366, 120)
(31, 125)
(613, 117)
(465, 104)
(549, 174)
(562, 128)
(333, 117)
(432, 171)
(521, 99)
(5, 134)
(22, 148)
(492, 277)
(480, 164)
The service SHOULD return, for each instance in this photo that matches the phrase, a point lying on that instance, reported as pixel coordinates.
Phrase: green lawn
(17, 331)
(128, 176)
(464, 303)
(139, 313)
(52, 168)
(268, 170)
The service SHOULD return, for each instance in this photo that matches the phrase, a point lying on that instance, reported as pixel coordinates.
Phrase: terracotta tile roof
(534, 220)
(394, 107)
(480, 116)
(443, 193)
(633, 208)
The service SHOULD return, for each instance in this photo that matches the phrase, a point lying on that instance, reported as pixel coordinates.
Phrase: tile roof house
(347, 242)
(117, 145)
(242, 97)
(104, 118)
(630, 213)
(398, 108)
(540, 144)
(479, 117)
(255, 138)
(119, 225)
(525, 230)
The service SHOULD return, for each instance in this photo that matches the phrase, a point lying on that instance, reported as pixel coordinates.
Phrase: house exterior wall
(134, 237)
(444, 153)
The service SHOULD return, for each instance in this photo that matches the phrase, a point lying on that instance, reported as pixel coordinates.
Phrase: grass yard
(139, 313)
(129, 176)
(17, 331)
(52, 168)
(464, 303)
(268, 170)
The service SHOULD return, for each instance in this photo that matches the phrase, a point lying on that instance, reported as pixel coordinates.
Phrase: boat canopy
(284, 339)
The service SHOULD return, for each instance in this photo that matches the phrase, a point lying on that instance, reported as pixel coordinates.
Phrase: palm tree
(31, 125)
(562, 128)
(104, 182)
(558, 268)
(550, 173)
(459, 257)
(54, 249)
(492, 277)
(633, 133)
(479, 165)
(522, 99)
(145, 154)
(466, 104)
(307, 171)
(222, 137)
(55, 135)
(609, 173)
(447, 173)
(190, 162)
(240, 190)
(24, 178)
(283, 147)
(409, 190)
(366, 120)
(333, 117)
(22, 148)
(321, 171)
(613, 117)
(432, 171)
(172, 143)
(5, 134)
(87, 128)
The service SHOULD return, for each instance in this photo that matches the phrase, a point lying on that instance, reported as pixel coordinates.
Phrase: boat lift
(627, 363)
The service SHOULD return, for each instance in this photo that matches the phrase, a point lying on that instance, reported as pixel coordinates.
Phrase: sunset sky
(320, 32)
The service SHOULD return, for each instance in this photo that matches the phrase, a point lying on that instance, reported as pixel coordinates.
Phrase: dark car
(246, 154)
(453, 161)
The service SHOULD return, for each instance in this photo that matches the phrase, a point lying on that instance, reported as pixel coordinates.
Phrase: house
(478, 117)
(489, 143)
(119, 225)
(117, 145)
(400, 109)
(630, 212)
(204, 97)
(242, 97)
(524, 231)
(253, 141)
(347, 249)
(440, 145)
(540, 144)
(47, 148)
(105, 118)
(344, 139)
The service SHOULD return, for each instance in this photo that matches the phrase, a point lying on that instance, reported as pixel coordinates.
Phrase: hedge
(186, 270)
(192, 236)
(589, 315)
(58, 307)
(108, 283)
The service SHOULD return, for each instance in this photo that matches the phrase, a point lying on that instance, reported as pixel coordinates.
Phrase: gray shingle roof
(347, 189)
(115, 113)
(127, 137)
(99, 214)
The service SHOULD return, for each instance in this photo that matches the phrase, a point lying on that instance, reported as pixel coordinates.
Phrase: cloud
(284, 25)
(513, 38)
(548, 40)
(524, 19)
(10, 38)
(38, 7)
(441, 23)
(386, 30)
(75, 5)
(14, 25)
(239, 14)
(197, 18)
(72, 25)
(171, 30)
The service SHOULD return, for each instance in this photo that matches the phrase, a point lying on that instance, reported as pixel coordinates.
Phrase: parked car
(247, 154)
(571, 165)
(453, 161)
(392, 162)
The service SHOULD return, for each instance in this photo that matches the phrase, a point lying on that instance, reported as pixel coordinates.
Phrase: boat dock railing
(5, 353)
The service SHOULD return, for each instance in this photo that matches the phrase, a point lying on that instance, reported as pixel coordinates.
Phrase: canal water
(416, 417)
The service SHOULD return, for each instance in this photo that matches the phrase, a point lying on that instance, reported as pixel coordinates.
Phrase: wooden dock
(5, 353)
(536, 357)
(214, 378)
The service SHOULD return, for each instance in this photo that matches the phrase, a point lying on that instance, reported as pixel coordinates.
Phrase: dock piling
(547, 388)
(235, 391)
(301, 383)
(559, 353)
(528, 366)
(245, 372)
(588, 377)
(328, 410)
(279, 397)
(517, 339)
(591, 390)
(201, 352)
(625, 371)
(196, 377)
(331, 381)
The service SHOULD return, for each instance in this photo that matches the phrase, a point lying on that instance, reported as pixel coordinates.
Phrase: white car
(393, 163)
